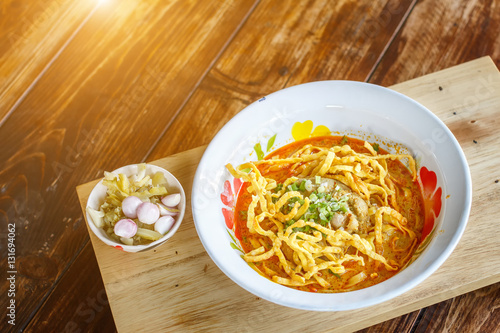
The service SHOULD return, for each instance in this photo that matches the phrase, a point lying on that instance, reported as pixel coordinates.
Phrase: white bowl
(358, 110)
(98, 195)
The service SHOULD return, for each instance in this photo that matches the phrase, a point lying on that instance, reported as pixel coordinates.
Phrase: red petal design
(227, 197)
(228, 217)
(119, 247)
(429, 181)
(436, 199)
(237, 185)
(432, 199)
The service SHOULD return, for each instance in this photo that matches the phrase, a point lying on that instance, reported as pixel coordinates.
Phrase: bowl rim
(129, 170)
(411, 283)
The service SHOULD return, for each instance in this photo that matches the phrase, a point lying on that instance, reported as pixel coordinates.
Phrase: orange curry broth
(411, 206)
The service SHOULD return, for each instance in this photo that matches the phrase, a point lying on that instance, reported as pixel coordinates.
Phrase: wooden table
(87, 88)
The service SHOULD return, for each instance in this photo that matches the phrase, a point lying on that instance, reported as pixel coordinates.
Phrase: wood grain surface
(326, 32)
(137, 283)
(440, 34)
(86, 88)
(32, 34)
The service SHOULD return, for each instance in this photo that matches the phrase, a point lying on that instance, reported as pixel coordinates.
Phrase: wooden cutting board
(177, 286)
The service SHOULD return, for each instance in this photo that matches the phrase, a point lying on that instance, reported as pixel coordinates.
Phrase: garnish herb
(323, 206)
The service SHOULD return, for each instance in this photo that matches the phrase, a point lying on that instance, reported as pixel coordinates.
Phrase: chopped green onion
(304, 229)
(302, 186)
(335, 274)
(318, 180)
(243, 214)
(308, 186)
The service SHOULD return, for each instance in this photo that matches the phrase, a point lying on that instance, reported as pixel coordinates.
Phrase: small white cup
(98, 195)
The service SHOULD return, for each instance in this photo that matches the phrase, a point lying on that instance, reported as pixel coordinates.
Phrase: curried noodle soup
(329, 214)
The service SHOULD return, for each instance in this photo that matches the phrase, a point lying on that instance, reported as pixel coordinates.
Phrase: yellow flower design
(305, 130)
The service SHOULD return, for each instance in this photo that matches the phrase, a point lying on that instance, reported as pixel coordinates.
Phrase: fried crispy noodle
(323, 249)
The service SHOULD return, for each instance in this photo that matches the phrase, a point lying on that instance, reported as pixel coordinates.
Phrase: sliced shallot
(148, 212)
(125, 228)
(171, 200)
(129, 206)
(164, 224)
(164, 210)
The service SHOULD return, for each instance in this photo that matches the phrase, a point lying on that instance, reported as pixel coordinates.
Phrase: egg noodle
(318, 249)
